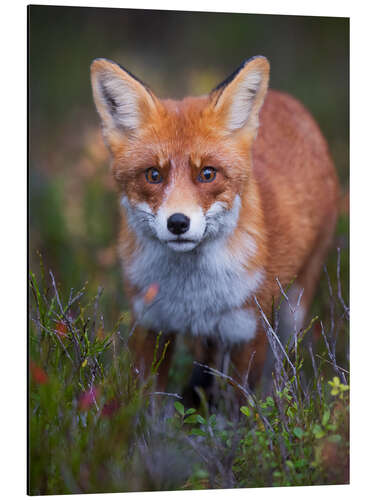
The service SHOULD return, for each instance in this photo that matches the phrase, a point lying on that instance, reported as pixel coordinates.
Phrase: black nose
(178, 223)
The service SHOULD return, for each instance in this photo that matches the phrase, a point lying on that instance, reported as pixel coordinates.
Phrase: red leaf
(110, 407)
(38, 374)
(88, 398)
(61, 329)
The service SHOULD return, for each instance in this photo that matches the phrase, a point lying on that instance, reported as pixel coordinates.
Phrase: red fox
(220, 195)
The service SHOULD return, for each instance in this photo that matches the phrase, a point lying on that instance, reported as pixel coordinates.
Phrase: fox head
(182, 167)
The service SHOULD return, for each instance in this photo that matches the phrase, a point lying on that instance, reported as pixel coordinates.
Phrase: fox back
(221, 196)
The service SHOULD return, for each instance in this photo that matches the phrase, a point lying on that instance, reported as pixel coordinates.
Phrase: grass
(95, 425)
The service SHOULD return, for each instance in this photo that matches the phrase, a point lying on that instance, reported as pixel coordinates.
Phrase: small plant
(338, 389)
(84, 394)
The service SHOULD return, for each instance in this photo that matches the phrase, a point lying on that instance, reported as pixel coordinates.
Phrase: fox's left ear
(237, 100)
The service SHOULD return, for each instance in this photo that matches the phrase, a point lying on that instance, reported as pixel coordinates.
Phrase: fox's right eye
(153, 176)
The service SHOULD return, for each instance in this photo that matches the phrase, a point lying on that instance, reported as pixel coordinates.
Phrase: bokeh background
(73, 207)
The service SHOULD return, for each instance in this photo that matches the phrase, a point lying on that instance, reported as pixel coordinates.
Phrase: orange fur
(282, 171)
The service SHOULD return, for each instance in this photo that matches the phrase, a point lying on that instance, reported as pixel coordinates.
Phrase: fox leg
(248, 359)
(143, 345)
(205, 352)
(307, 280)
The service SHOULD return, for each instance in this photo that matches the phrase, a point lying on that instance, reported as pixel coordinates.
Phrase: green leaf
(298, 432)
(190, 411)
(245, 410)
(318, 431)
(212, 420)
(302, 462)
(198, 432)
(326, 416)
(331, 427)
(179, 407)
(200, 419)
(335, 438)
(192, 419)
(270, 401)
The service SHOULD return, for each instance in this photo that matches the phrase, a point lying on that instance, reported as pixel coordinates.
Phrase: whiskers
(215, 223)
(140, 219)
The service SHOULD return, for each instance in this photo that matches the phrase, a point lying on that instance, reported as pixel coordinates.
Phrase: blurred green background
(73, 208)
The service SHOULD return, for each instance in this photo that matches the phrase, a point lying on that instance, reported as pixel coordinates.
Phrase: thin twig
(56, 333)
(270, 329)
(329, 362)
(318, 384)
(96, 304)
(171, 394)
(292, 310)
(231, 380)
(280, 406)
(67, 320)
(249, 365)
(332, 356)
(339, 291)
(331, 302)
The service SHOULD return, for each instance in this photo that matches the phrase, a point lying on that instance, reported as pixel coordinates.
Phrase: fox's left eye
(153, 176)
(207, 174)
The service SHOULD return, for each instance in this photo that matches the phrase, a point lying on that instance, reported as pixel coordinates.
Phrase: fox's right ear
(122, 101)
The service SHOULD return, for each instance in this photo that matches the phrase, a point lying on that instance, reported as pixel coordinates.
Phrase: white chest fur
(201, 292)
